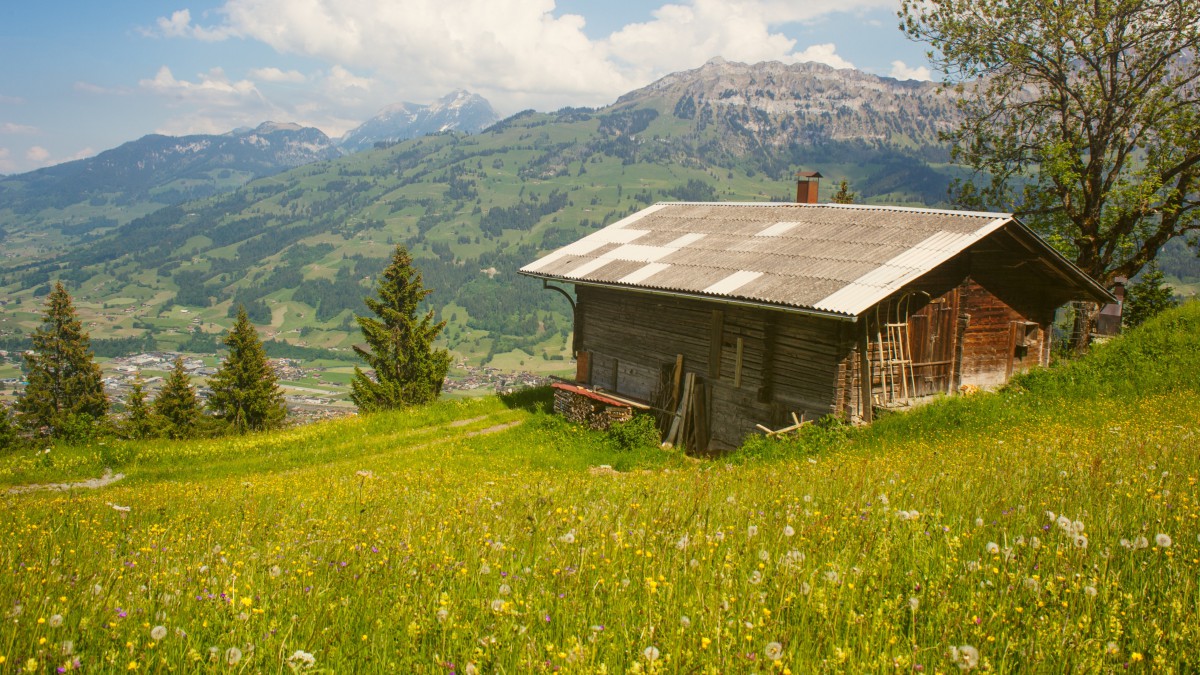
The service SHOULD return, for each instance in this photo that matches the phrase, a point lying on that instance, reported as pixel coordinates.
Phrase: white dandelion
(685, 621)
(774, 651)
(651, 653)
(1162, 540)
(56, 621)
(233, 655)
(914, 603)
(752, 531)
(788, 531)
(302, 659)
(756, 577)
(158, 633)
(965, 657)
(992, 548)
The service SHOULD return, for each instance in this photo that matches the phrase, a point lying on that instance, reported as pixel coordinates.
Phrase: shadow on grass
(533, 400)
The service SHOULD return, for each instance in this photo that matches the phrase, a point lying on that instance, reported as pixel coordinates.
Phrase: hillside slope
(1048, 528)
(299, 248)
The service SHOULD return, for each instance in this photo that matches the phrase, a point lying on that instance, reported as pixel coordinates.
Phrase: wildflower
(1141, 542)
(497, 605)
(979, 522)
(1090, 591)
(56, 620)
(693, 563)
(301, 659)
(67, 647)
(805, 589)
(1031, 584)
(1035, 542)
(233, 655)
(752, 531)
(756, 577)
(1112, 649)
(651, 653)
(1162, 540)
(788, 531)
(807, 499)
(471, 669)
(158, 633)
(505, 589)
(1077, 527)
(774, 651)
(883, 499)
(993, 548)
(682, 543)
(913, 603)
(1080, 541)
(364, 474)
(965, 657)
(485, 569)
(685, 621)
(442, 615)
(275, 571)
(764, 555)
(1051, 516)
(831, 576)
(1064, 523)
(568, 538)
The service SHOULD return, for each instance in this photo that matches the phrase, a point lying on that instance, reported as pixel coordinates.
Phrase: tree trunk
(1086, 314)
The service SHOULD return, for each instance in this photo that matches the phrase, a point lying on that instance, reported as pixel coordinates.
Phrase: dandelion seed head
(56, 620)
(773, 651)
(158, 633)
(651, 653)
(233, 655)
(1162, 540)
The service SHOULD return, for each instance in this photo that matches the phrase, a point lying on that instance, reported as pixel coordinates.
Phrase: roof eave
(1099, 293)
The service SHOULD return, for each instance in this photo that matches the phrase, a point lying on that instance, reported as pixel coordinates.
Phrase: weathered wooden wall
(790, 363)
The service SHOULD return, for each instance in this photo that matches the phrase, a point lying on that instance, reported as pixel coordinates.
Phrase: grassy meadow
(1051, 527)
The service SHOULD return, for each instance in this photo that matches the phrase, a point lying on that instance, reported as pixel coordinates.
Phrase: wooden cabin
(776, 311)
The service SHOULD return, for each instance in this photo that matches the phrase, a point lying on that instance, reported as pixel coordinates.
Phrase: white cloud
(179, 24)
(824, 53)
(37, 154)
(273, 74)
(517, 53)
(11, 100)
(212, 88)
(89, 88)
(6, 164)
(13, 128)
(902, 71)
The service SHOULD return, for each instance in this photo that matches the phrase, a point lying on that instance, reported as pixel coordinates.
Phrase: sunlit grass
(1018, 531)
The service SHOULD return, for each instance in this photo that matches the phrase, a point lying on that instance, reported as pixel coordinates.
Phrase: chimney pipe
(807, 183)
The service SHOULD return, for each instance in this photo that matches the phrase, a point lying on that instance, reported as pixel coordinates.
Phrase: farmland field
(1051, 527)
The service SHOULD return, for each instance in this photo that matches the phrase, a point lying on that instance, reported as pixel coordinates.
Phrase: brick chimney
(806, 186)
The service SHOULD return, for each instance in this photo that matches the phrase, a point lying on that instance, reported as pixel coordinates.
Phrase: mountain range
(458, 111)
(302, 247)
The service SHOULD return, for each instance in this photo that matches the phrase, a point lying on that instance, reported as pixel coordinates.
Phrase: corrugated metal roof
(829, 258)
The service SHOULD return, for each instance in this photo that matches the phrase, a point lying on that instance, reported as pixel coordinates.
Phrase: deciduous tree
(1081, 117)
(64, 380)
(407, 369)
(244, 389)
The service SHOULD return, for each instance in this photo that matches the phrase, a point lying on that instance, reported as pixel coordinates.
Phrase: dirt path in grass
(92, 483)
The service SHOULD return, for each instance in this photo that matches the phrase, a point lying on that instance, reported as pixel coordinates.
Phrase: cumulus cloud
(179, 24)
(902, 71)
(515, 52)
(13, 128)
(212, 88)
(273, 74)
(37, 154)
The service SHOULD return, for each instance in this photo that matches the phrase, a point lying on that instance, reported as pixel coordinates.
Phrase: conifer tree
(408, 370)
(9, 436)
(137, 413)
(1147, 297)
(844, 195)
(244, 389)
(64, 380)
(176, 404)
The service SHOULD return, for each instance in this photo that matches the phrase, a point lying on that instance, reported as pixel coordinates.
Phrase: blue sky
(81, 77)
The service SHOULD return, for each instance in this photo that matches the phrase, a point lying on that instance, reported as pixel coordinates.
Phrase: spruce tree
(1147, 297)
(176, 405)
(137, 413)
(244, 390)
(64, 380)
(844, 195)
(9, 436)
(407, 368)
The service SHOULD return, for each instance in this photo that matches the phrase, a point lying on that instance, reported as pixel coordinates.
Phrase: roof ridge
(863, 207)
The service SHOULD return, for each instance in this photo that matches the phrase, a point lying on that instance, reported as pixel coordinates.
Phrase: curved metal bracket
(574, 314)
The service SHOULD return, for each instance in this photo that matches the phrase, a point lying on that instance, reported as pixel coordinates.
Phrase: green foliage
(244, 390)
(407, 369)
(176, 408)
(1147, 297)
(637, 433)
(844, 195)
(64, 380)
(1080, 117)
(10, 437)
(138, 423)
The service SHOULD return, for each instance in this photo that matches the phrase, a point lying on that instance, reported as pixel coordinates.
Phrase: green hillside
(1051, 527)
(300, 248)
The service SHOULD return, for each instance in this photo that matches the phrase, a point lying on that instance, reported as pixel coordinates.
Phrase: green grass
(414, 542)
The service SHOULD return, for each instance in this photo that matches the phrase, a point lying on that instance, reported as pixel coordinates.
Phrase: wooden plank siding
(790, 363)
(759, 365)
